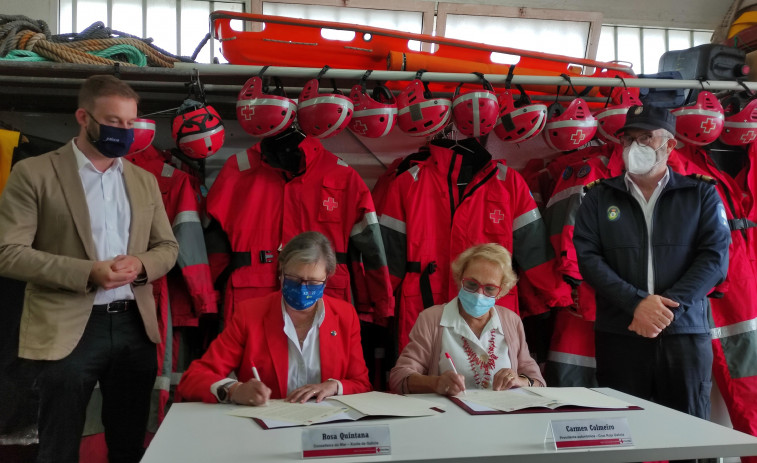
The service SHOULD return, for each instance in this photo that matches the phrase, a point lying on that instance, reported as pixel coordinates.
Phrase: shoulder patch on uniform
(591, 185)
(566, 174)
(703, 178)
(583, 171)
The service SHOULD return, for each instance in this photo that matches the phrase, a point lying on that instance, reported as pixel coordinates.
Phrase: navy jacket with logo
(690, 239)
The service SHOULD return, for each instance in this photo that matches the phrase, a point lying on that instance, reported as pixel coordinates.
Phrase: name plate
(346, 441)
(602, 432)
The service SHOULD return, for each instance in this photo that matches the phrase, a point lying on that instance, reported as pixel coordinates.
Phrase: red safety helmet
(198, 130)
(264, 114)
(144, 133)
(612, 118)
(475, 113)
(375, 116)
(701, 123)
(325, 115)
(740, 126)
(519, 120)
(419, 113)
(569, 128)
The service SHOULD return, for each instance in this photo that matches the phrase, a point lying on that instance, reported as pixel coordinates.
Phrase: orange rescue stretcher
(282, 41)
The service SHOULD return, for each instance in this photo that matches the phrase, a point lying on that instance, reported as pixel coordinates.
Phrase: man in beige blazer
(88, 233)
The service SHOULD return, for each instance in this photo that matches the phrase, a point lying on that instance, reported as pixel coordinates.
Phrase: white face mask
(640, 159)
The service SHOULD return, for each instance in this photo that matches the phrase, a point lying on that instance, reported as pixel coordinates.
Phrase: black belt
(427, 295)
(115, 306)
(740, 224)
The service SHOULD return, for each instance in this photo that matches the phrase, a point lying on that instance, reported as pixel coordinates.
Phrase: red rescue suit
(430, 217)
(261, 207)
(734, 315)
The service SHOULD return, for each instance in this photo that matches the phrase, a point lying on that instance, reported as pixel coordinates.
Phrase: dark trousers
(670, 370)
(115, 351)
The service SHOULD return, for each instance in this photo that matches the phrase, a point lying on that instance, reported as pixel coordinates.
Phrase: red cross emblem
(748, 137)
(578, 137)
(359, 127)
(248, 111)
(497, 216)
(330, 204)
(708, 125)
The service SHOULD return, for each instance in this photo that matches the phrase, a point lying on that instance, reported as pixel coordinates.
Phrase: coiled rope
(31, 40)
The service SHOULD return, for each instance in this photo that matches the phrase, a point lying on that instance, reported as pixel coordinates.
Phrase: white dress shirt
(648, 208)
(109, 216)
(456, 330)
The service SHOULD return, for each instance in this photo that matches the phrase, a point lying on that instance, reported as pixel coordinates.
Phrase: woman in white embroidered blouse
(485, 342)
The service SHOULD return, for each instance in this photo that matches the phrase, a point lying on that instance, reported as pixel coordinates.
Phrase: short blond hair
(104, 85)
(492, 252)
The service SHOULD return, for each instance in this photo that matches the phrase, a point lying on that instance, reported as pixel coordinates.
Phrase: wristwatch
(530, 381)
(223, 391)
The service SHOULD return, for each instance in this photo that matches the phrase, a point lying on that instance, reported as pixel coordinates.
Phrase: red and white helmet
(263, 114)
(144, 133)
(419, 113)
(519, 120)
(322, 116)
(374, 116)
(569, 128)
(612, 118)
(198, 130)
(475, 113)
(740, 126)
(701, 123)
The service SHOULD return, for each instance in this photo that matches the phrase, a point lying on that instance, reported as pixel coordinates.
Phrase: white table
(197, 432)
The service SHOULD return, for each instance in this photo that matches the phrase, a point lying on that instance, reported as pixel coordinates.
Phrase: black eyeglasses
(472, 286)
(300, 281)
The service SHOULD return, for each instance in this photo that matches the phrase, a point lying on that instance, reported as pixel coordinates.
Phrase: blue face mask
(113, 142)
(475, 304)
(299, 296)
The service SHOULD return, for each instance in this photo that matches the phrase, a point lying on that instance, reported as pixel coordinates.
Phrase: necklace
(481, 365)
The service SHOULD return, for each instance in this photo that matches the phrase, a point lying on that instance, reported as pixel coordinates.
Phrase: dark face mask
(113, 142)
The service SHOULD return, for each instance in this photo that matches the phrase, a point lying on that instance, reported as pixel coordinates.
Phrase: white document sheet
(291, 413)
(383, 404)
(578, 396)
(506, 401)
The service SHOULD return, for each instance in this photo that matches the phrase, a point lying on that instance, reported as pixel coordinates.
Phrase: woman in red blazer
(299, 343)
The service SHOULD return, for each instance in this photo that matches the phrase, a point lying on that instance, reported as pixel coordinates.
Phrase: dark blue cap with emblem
(649, 118)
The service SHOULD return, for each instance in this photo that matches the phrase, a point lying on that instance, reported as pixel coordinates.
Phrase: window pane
(678, 39)
(702, 37)
(550, 36)
(194, 26)
(127, 16)
(654, 47)
(90, 11)
(406, 21)
(65, 20)
(235, 24)
(161, 24)
(606, 46)
(629, 47)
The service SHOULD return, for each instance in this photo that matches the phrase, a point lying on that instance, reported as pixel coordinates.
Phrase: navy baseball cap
(649, 118)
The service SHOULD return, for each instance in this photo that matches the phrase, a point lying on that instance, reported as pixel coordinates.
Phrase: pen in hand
(256, 375)
(452, 364)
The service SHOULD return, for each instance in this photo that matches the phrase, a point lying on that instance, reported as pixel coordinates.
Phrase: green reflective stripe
(734, 329)
(371, 248)
(395, 244)
(558, 374)
(740, 352)
(191, 244)
(572, 359)
(393, 224)
(167, 171)
(369, 218)
(186, 216)
(531, 247)
(526, 218)
(565, 194)
(243, 162)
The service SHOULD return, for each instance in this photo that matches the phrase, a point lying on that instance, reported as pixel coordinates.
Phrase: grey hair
(309, 247)
(666, 133)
